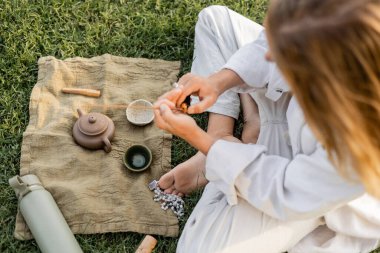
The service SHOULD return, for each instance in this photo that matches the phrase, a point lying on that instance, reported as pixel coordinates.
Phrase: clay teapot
(94, 131)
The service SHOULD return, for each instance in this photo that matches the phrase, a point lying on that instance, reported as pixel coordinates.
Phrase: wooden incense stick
(84, 92)
(124, 106)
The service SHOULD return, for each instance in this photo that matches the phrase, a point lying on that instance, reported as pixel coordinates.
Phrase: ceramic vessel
(94, 131)
(140, 112)
(137, 158)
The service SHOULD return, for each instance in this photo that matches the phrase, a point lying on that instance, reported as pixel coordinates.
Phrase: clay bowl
(140, 112)
(137, 158)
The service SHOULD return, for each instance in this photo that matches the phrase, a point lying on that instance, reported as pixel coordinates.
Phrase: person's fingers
(184, 79)
(180, 194)
(200, 107)
(166, 114)
(189, 86)
(159, 121)
(158, 103)
(172, 95)
(163, 96)
(187, 90)
(182, 83)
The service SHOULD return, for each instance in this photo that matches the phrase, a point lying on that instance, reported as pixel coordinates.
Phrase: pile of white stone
(168, 201)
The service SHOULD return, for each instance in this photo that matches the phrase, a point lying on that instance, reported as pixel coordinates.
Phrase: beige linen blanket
(94, 191)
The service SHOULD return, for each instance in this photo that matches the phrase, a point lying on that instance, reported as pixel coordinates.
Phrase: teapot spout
(80, 112)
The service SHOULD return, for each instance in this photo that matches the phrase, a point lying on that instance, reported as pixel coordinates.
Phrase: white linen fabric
(281, 194)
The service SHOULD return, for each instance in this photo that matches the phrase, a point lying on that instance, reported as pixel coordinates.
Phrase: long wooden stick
(124, 106)
(84, 92)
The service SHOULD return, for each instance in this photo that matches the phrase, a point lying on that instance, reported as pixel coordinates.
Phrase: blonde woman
(320, 192)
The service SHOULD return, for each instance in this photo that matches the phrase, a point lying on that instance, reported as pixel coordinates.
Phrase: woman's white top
(303, 184)
(270, 196)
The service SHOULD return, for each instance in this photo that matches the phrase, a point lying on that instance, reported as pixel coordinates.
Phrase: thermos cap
(25, 184)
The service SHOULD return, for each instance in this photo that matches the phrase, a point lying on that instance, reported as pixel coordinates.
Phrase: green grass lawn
(67, 28)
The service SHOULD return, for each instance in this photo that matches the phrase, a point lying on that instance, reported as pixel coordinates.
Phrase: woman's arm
(305, 187)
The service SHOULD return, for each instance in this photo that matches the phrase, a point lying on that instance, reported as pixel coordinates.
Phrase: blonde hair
(329, 52)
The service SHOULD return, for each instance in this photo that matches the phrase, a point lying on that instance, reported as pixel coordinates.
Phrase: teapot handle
(107, 146)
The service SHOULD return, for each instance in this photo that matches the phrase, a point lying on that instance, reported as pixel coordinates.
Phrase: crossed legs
(219, 33)
(190, 175)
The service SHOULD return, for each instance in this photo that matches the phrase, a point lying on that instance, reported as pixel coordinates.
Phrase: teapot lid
(93, 123)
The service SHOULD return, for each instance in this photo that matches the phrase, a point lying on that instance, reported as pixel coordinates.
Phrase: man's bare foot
(185, 177)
